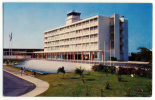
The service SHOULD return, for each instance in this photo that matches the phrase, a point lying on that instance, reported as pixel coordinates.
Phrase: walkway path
(41, 86)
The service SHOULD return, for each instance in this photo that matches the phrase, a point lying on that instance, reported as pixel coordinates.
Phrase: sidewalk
(41, 86)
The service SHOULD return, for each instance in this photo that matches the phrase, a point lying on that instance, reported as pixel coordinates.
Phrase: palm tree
(79, 71)
(61, 70)
(145, 54)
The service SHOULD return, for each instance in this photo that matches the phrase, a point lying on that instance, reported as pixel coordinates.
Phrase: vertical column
(56, 56)
(43, 56)
(103, 56)
(16, 56)
(61, 56)
(91, 56)
(82, 56)
(46, 55)
(38, 55)
(51, 56)
(74, 55)
(32, 55)
(67, 55)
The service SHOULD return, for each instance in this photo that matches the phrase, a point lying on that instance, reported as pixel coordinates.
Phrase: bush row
(104, 68)
(141, 72)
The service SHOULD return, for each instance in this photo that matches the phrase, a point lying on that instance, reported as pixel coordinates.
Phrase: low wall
(18, 57)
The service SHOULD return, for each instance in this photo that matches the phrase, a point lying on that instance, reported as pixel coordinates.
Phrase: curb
(41, 86)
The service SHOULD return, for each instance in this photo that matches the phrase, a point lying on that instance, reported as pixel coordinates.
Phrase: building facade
(19, 53)
(108, 34)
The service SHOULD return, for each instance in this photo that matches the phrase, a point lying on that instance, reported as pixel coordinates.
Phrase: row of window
(74, 46)
(73, 26)
(74, 40)
(94, 28)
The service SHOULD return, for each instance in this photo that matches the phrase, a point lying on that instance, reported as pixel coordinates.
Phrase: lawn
(71, 85)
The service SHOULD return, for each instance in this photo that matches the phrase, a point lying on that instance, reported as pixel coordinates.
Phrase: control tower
(72, 17)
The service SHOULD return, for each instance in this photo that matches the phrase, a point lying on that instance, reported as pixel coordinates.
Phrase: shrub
(107, 86)
(149, 74)
(95, 68)
(61, 70)
(144, 73)
(119, 78)
(103, 68)
(113, 59)
(120, 71)
(126, 71)
(79, 71)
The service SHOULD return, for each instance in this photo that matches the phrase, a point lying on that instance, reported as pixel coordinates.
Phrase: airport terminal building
(97, 38)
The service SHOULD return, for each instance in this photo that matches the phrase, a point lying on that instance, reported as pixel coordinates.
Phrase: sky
(29, 21)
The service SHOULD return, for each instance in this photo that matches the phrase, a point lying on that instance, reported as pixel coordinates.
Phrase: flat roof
(23, 48)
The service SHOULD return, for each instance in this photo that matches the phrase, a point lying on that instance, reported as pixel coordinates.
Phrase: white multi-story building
(98, 33)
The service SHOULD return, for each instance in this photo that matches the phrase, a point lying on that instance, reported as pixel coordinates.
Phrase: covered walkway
(87, 57)
(66, 55)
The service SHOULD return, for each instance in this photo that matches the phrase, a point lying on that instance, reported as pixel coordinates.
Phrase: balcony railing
(111, 38)
(121, 36)
(121, 51)
(94, 23)
(111, 24)
(121, 43)
(121, 28)
(85, 26)
(78, 34)
(85, 40)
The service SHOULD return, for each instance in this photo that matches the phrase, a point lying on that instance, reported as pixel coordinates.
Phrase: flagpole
(110, 53)
(11, 44)
(9, 47)
(104, 52)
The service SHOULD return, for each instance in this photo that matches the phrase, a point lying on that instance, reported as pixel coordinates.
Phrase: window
(91, 21)
(83, 23)
(92, 36)
(92, 28)
(87, 22)
(95, 28)
(95, 20)
(95, 36)
(87, 44)
(73, 26)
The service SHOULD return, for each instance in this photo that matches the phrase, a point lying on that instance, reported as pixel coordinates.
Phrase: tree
(79, 71)
(61, 70)
(145, 54)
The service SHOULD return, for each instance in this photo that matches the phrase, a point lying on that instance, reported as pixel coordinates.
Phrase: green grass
(71, 85)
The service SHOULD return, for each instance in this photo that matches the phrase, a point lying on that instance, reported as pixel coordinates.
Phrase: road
(15, 86)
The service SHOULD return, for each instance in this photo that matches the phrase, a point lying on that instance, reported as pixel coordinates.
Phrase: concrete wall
(125, 40)
(104, 35)
(116, 37)
(14, 57)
